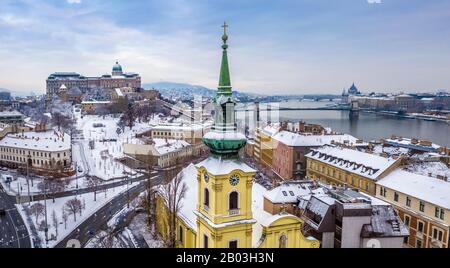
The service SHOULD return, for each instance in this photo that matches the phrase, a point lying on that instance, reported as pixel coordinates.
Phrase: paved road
(91, 189)
(13, 233)
(97, 221)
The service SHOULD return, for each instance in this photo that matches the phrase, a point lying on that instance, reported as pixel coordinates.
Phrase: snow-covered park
(102, 144)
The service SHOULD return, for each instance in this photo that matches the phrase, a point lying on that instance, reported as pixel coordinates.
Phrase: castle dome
(117, 67)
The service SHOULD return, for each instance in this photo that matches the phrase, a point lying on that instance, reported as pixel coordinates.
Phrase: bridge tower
(354, 109)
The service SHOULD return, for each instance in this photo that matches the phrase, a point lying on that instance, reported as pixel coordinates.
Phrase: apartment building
(349, 167)
(423, 203)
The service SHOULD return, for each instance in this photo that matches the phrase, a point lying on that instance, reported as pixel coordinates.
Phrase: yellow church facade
(212, 225)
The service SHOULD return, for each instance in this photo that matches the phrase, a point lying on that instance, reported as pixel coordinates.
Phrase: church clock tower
(224, 206)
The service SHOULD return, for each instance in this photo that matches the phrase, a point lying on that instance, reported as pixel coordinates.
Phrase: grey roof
(385, 222)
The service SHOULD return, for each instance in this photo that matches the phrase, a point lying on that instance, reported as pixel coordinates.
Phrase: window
(408, 201)
(284, 193)
(206, 198)
(439, 213)
(437, 234)
(420, 226)
(422, 206)
(418, 243)
(283, 241)
(181, 234)
(233, 202)
(205, 241)
(407, 220)
(396, 197)
(406, 240)
(233, 244)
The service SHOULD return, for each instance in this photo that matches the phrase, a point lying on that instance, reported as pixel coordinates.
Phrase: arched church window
(233, 202)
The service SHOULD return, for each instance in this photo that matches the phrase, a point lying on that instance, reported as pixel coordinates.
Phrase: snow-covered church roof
(217, 165)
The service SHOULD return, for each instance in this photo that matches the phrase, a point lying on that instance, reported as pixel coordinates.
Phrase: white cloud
(374, 1)
(74, 1)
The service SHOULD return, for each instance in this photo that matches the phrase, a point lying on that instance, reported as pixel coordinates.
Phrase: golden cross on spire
(225, 26)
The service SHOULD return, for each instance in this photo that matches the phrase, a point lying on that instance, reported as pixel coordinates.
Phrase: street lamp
(45, 212)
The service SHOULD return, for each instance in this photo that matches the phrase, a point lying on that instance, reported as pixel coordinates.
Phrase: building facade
(116, 79)
(348, 167)
(423, 204)
(290, 150)
(161, 153)
(46, 151)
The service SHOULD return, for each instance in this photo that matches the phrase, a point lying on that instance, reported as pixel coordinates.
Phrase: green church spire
(224, 139)
(224, 79)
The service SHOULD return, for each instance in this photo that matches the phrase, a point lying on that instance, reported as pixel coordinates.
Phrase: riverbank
(419, 116)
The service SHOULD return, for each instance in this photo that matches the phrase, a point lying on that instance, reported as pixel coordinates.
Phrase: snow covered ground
(58, 208)
(107, 140)
(19, 184)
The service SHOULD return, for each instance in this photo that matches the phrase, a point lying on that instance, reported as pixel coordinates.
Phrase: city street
(96, 222)
(13, 233)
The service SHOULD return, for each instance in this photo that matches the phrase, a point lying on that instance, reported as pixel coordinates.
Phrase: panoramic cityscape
(216, 145)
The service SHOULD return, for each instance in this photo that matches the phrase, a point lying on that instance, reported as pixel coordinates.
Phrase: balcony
(233, 212)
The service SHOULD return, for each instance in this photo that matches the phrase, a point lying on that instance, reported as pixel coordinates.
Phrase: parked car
(3, 169)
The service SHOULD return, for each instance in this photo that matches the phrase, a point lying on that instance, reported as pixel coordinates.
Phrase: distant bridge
(299, 109)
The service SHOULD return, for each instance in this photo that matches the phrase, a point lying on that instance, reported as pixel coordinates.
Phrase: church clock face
(206, 177)
(234, 180)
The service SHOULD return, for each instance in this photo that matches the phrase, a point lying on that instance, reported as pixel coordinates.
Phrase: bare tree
(73, 206)
(61, 121)
(149, 201)
(94, 182)
(37, 209)
(51, 187)
(173, 193)
(55, 222)
(65, 217)
(105, 239)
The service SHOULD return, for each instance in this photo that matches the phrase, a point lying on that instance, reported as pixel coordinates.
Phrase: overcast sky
(283, 47)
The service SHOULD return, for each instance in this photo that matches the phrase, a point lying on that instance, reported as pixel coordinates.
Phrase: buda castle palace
(72, 80)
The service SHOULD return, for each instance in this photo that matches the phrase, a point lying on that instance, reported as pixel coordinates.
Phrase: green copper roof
(117, 67)
(223, 139)
(224, 79)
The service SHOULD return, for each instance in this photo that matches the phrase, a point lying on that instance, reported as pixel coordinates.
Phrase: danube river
(367, 126)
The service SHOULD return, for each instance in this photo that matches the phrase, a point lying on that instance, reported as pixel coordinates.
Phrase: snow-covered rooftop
(288, 192)
(95, 102)
(407, 142)
(295, 139)
(51, 141)
(179, 126)
(425, 188)
(364, 164)
(217, 165)
(271, 129)
(10, 113)
(119, 92)
(430, 168)
(164, 146)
